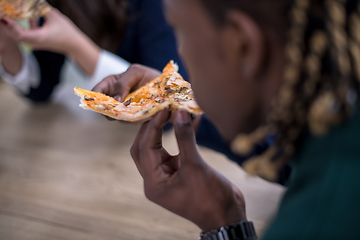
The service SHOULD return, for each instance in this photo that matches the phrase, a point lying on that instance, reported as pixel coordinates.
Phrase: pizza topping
(183, 89)
(169, 91)
(159, 100)
(103, 107)
(89, 98)
(155, 83)
(180, 97)
(128, 102)
(174, 76)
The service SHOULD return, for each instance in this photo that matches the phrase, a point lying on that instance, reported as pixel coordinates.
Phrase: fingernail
(183, 117)
(117, 98)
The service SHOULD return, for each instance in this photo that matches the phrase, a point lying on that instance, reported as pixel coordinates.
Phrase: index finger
(149, 139)
(185, 136)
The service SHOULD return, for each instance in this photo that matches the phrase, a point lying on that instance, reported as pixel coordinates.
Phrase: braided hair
(321, 77)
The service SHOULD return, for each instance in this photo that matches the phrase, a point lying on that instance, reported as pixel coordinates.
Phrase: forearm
(85, 53)
(11, 59)
(27, 78)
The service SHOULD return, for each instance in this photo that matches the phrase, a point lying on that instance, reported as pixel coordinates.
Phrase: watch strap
(243, 230)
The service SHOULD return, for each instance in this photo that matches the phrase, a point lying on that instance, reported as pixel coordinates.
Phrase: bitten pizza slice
(23, 9)
(169, 90)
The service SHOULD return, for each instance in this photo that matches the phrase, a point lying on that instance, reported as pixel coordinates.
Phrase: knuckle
(118, 83)
(157, 125)
(134, 151)
(108, 78)
(135, 69)
(117, 77)
(135, 66)
(149, 193)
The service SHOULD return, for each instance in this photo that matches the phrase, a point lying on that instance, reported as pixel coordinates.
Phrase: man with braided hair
(289, 69)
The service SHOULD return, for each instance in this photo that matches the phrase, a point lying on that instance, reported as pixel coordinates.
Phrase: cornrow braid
(330, 106)
(261, 165)
(354, 45)
(320, 84)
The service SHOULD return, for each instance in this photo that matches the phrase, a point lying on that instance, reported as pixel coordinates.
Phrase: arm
(43, 70)
(11, 57)
(25, 79)
(34, 75)
(58, 35)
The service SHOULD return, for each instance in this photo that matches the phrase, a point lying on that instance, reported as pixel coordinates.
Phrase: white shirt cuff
(29, 75)
(108, 64)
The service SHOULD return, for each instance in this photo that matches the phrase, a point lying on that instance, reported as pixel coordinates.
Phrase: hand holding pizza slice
(169, 90)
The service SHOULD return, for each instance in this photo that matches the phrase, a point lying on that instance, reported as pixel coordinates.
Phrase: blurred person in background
(102, 37)
(284, 68)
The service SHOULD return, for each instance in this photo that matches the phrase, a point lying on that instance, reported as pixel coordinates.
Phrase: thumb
(127, 81)
(185, 136)
(11, 28)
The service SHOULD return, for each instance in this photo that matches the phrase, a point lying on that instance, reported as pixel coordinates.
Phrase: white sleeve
(108, 64)
(29, 75)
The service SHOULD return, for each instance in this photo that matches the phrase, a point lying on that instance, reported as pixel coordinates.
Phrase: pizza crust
(169, 91)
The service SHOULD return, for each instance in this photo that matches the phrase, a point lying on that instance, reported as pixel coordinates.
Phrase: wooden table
(66, 173)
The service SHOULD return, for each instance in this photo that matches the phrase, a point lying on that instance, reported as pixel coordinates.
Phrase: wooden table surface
(66, 173)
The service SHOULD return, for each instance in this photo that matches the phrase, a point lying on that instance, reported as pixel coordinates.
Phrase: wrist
(9, 49)
(85, 53)
(11, 59)
(76, 46)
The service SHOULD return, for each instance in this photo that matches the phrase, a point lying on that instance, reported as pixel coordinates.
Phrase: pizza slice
(23, 9)
(169, 90)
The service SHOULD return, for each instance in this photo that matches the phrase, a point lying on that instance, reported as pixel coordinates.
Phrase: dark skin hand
(185, 184)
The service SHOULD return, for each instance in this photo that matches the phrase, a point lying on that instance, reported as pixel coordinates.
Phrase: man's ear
(245, 42)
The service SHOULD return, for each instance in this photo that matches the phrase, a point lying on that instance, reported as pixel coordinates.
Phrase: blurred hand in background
(58, 34)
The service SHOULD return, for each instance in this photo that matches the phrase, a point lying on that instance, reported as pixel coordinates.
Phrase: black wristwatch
(243, 230)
